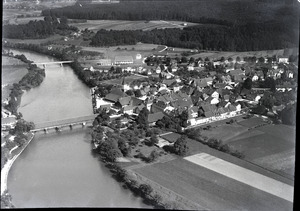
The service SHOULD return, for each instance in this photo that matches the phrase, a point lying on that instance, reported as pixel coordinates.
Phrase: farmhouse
(119, 60)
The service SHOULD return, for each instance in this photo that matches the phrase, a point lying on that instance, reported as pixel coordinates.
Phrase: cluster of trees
(33, 78)
(38, 29)
(173, 122)
(248, 37)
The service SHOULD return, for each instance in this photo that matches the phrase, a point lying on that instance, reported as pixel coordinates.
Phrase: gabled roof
(236, 72)
(208, 114)
(169, 82)
(155, 116)
(115, 95)
(124, 100)
(231, 108)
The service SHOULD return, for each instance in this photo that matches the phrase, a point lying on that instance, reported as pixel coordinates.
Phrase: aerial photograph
(149, 104)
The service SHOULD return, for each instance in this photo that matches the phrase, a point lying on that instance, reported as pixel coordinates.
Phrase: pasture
(96, 25)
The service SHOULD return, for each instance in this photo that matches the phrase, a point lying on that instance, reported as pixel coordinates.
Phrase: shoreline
(7, 166)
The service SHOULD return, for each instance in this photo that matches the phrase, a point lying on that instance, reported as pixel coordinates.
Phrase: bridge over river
(54, 62)
(58, 124)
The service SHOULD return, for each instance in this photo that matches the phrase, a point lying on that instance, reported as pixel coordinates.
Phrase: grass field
(95, 25)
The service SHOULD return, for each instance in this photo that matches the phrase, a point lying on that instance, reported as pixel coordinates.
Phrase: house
(215, 94)
(8, 123)
(255, 77)
(190, 67)
(158, 70)
(193, 112)
(154, 117)
(282, 59)
(114, 95)
(168, 82)
(121, 60)
(105, 62)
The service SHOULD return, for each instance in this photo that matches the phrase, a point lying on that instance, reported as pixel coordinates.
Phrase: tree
(247, 83)
(184, 59)
(142, 118)
(261, 59)
(238, 59)
(153, 156)
(153, 139)
(138, 93)
(145, 189)
(180, 146)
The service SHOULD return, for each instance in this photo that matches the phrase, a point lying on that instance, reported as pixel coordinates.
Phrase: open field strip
(96, 25)
(243, 175)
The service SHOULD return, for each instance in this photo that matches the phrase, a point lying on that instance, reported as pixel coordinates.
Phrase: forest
(248, 37)
(38, 29)
(198, 11)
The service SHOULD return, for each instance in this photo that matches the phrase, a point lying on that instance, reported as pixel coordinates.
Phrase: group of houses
(205, 99)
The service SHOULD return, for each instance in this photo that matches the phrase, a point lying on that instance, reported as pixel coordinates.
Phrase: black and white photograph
(149, 104)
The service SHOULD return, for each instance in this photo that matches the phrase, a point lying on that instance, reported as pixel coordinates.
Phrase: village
(206, 90)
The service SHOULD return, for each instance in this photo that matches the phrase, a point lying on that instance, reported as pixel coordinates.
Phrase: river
(59, 169)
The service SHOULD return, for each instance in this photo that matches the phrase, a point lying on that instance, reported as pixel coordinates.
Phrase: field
(14, 72)
(219, 54)
(118, 81)
(269, 146)
(95, 25)
(128, 50)
(209, 189)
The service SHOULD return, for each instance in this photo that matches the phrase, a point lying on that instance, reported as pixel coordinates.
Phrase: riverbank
(32, 79)
(9, 163)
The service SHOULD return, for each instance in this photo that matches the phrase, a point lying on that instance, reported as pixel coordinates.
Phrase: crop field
(95, 25)
(224, 132)
(252, 122)
(209, 189)
(269, 146)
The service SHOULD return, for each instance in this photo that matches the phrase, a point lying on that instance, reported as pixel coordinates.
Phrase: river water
(59, 169)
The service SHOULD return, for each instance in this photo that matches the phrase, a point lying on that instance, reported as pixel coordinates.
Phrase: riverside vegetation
(21, 132)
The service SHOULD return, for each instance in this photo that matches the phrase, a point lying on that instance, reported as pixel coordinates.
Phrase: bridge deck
(42, 125)
(54, 62)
